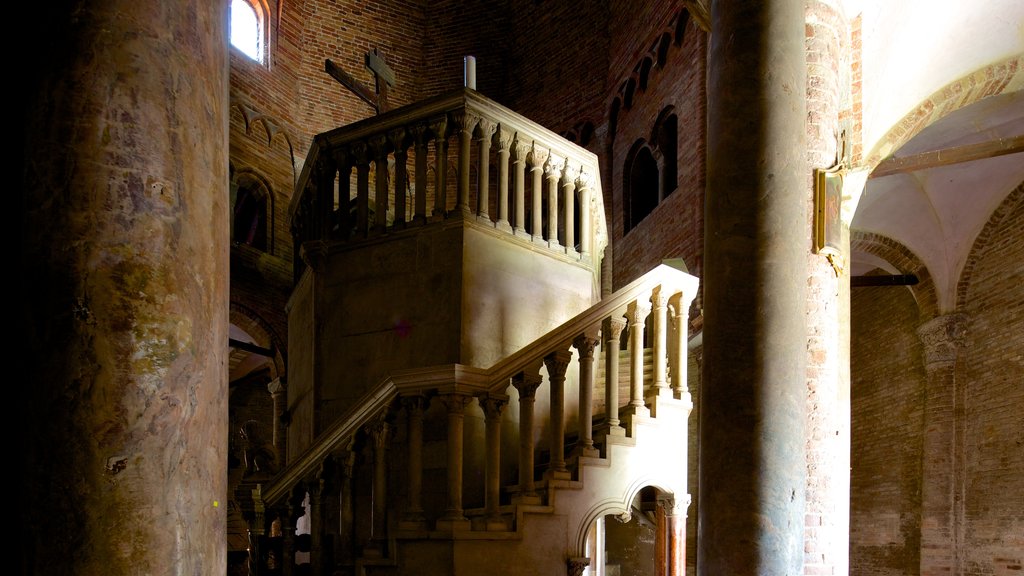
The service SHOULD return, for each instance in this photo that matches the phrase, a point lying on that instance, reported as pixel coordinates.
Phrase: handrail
(471, 380)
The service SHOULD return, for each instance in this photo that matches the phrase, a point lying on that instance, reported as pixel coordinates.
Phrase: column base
(454, 524)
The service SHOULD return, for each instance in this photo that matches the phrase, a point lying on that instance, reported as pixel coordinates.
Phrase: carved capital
(585, 344)
(465, 121)
(526, 383)
(415, 404)
(342, 157)
(492, 405)
(585, 180)
(636, 311)
(521, 149)
(942, 337)
(537, 157)
(659, 298)
(553, 167)
(487, 129)
(439, 127)
(379, 432)
(456, 403)
(504, 137)
(379, 146)
(397, 138)
(419, 134)
(360, 153)
(612, 328)
(576, 566)
(557, 362)
(569, 174)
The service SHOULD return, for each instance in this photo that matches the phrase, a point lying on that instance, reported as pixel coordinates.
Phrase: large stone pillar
(124, 303)
(752, 476)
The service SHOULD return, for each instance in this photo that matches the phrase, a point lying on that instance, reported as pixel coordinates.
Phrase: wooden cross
(383, 77)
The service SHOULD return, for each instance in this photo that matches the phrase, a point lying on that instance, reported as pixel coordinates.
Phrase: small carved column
(526, 383)
(553, 170)
(504, 139)
(556, 363)
(680, 315)
(538, 158)
(397, 139)
(439, 127)
(942, 338)
(256, 529)
(287, 518)
(659, 305)
(636, 312)
(360, 154)
(492, 406)
(569, 192)
(483, 176)
(583, 184)
(585, 344)
(277, 395)
(343, 220)
(456, 405)
(419, 135)
(379, 432)
(612, 331)
(415, 406)
(347, 536)
(378, 147)
(675, 515)
(521, 150)
(324, 203)
(465, 123)
(316, 486)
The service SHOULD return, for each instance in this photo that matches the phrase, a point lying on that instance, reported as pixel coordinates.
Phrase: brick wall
(887, 394)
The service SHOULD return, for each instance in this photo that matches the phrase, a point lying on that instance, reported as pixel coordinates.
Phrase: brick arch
(987, 235)
(272, 129)
(988, 81)
(249, 320)
(904, 260)
(244, 175)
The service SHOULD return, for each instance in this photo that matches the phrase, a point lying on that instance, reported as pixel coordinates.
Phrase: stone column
(942, 338)
(278, 394)
(124, 240)
(439, 127)
(557, 363)
(347, 536)
(343, 160)
(379, 153)
(519, 179)
(397, 139)
(361, 156)
(636, 312)
(583, 184)
(453, 517)
(526, 383)
(680, 317)
(659, 354)
(612, 331)
(585, 344)
(325, 173)
(538, 158)
(569, 193)
(553, 171)
(504, 138)
(492, 406)
(483, 175)
(415, 406)
(419, 134)
(380, 434)
(316, 487)
(465, 123)
(756, 243)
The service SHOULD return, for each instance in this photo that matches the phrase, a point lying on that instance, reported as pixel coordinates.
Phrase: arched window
(248, 31)
(666, 134)
(251, 212)
(640, 185)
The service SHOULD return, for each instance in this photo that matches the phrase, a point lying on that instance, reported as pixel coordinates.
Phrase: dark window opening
(640, 185)
(250, 218)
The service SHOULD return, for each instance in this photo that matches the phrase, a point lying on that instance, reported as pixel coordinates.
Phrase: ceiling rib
(947, 156)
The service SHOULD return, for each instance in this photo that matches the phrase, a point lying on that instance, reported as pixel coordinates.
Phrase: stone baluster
(553, 171)
(636, 312)
(583, 185)
(569, 193)
(415, 406)
(537, 161)
(585, 344)
(612, 331)
(681, 324)
(379, 432)
(419, 135)
(526, 383)
(360, 154)
(453, 517)
(343, 159)
(483, 176)
(280, 401)
(465, 123)
(347, 536)
(256, 529)
(556, 363)
(439, 126)
(521, 149)
(659, 307)
(379, 151)
(492, 405)
(315, 487)
(397, 139)
(504, 138)
(324, 201)
(330, 506)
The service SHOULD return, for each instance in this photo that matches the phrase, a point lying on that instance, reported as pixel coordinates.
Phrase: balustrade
(565, 205)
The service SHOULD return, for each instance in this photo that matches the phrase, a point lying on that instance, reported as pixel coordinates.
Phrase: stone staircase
(451, 469)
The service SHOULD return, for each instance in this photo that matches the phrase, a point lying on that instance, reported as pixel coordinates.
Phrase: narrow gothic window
(247, 29)
(640, 185)
(667, 131)
(250, 218)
